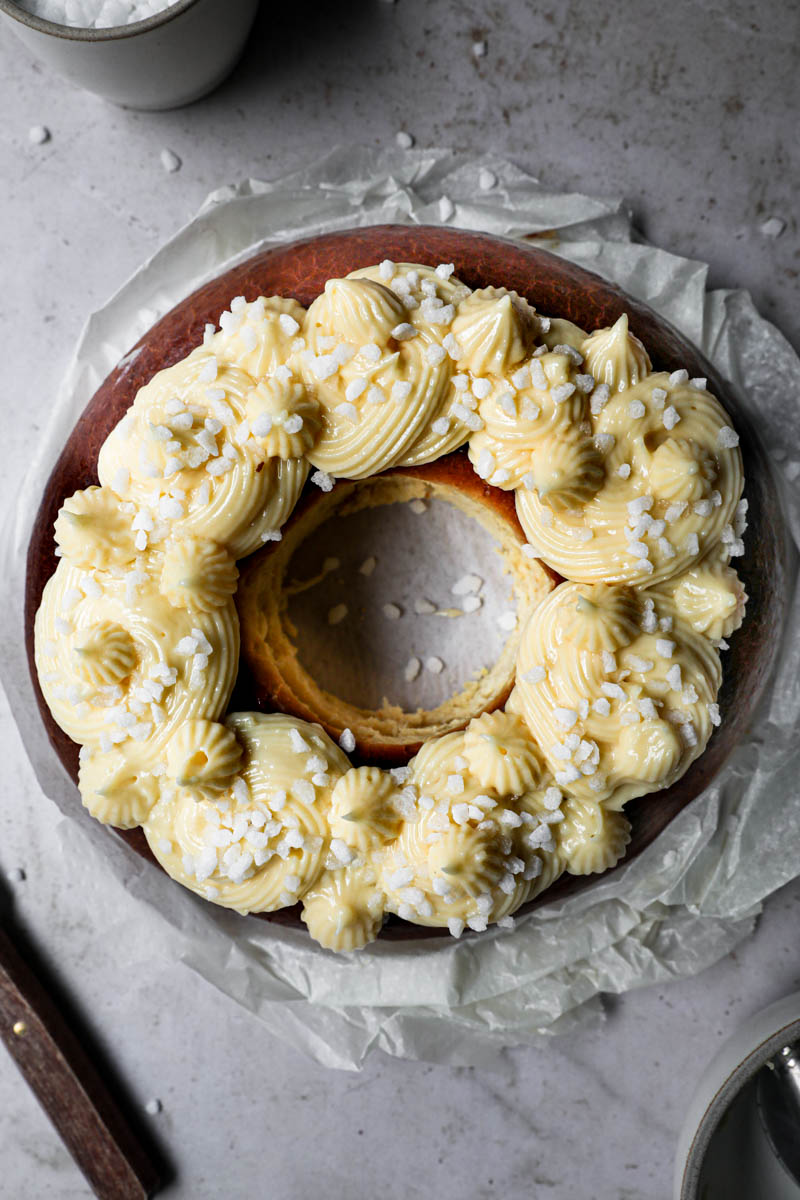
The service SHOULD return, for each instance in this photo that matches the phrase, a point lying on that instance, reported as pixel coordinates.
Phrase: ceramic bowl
(555, 287)
(166, 61)
(718, 1163)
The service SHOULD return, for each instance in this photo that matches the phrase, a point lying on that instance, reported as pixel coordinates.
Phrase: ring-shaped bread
(627, 483)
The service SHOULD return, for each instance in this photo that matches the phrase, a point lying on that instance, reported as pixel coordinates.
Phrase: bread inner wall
(327, 625)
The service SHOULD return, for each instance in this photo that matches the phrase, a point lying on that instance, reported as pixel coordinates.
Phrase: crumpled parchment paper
(682, 904)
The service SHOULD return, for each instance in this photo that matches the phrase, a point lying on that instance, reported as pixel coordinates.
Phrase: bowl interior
(77, 33)
(556, 288)
(729, 1147)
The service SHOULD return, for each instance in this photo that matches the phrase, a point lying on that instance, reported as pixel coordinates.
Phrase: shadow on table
(291, 47)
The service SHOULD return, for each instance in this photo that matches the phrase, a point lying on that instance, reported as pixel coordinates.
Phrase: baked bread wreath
(627, 484)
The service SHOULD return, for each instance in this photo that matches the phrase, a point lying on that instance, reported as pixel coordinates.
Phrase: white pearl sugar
(94, 14)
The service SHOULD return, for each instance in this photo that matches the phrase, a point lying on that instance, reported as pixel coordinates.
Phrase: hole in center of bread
(391, 607)
(376, 619)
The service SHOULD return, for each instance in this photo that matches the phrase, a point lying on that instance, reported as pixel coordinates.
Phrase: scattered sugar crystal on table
(170, 161)
(773, 227)
(404, 139)
(16, 875)
(38, 135)
(153, 1107)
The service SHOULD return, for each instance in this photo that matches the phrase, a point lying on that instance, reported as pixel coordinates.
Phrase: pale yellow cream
(260, 842)
(620, 475)
(617, 689)
(198, 454)
(473, 853)
(672, 506)
(119, 665)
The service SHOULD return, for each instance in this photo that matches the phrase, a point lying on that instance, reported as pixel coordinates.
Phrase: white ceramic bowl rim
(725, 1093)
(77, 33)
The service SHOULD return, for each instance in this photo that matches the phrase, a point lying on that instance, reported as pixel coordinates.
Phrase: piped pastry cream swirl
(627, 482)
(536, 434)
(259, 337)
(206, 450)
(618, 691)
(615, 357)
(710, 596)
(119, 664)
(431, 299)
(378, 378)
(669, 491)
(261, 841)
(629, 478)
(474, 851)
(122, 669)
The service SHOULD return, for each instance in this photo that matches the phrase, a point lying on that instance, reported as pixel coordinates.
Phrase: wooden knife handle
(68, 1086)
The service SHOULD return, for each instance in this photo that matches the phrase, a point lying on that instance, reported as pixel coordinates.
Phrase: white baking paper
(683, 903)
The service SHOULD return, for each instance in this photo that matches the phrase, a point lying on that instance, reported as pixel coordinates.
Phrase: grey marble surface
(688, 111)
